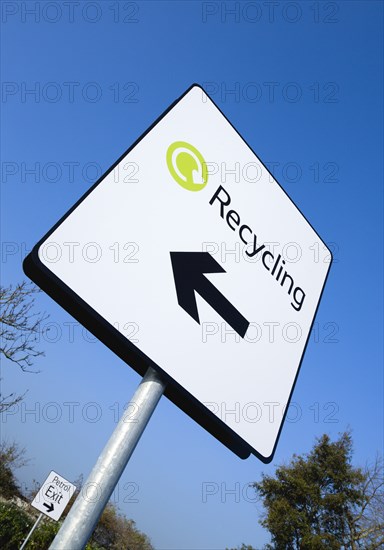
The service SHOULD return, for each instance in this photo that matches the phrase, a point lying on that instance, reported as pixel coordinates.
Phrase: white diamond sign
(188, 256)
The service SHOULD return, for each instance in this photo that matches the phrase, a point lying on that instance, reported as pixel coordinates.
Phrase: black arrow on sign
(49, 507)
(188, 269)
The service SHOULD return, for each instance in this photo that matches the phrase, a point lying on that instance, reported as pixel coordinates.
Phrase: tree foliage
(113, 532)
(242, 547)
(20, 328)
(367, 524)
(14, 525)
(320, 501)
(11, 458)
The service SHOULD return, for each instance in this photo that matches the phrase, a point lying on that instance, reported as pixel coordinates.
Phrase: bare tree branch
(20, 330)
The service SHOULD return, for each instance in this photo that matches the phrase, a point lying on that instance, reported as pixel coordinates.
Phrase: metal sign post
(31, 531)
(90, 503)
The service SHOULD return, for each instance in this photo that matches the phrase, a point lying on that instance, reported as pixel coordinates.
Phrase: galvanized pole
(31, 531)
(97, 490)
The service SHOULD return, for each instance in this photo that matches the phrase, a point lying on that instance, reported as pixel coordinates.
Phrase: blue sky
(302, 83)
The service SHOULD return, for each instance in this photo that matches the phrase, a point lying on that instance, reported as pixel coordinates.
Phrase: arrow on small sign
(49, 507)
(188, 269)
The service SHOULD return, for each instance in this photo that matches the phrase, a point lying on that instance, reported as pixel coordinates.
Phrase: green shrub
(44, 535)
(15, 525)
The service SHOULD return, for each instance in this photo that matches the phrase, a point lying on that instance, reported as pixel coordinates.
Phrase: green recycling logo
(187, 166)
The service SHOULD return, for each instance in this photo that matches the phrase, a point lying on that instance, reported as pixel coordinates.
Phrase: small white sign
(54, 495)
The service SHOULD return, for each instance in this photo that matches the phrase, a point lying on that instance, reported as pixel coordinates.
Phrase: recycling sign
(182, 257)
